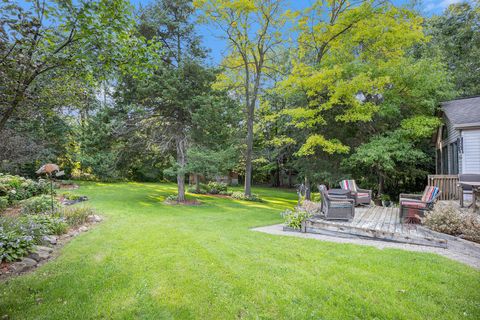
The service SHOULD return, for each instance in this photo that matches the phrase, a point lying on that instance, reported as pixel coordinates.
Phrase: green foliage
(17, 188)
(3, 203)
(70, 196)
(214, 187)
(193, 189)
(455, 39)
(19, 234)
(241, 196)
(171, 197)
(50, 224)
(13, 244)
(39, 204)
(294, 219)
(76, 215)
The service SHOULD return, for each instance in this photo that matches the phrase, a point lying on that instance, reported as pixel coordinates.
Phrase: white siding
(471, 151)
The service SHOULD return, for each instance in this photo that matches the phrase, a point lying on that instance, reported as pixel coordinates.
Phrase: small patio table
(475, 191)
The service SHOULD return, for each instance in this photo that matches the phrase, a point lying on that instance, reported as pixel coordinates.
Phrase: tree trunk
(181, 160)
(290, 178)
(249, 153)
(197, 183)
(276, 181)
(307, 189)
(380, 184)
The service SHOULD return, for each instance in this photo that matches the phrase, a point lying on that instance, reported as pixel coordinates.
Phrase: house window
(439, 162)
(444, 132)
(445, 160)
(454, 158)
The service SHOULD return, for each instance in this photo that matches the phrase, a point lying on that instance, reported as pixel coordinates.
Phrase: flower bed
(16, 188)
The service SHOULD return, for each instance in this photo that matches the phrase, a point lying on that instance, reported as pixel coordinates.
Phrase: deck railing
(447, 184)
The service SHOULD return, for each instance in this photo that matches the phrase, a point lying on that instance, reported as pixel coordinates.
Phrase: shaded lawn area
(153, 261)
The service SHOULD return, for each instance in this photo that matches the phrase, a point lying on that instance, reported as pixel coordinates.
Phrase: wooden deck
(378, 223)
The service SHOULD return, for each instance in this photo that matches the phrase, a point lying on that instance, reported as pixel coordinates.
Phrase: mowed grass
(148, 260)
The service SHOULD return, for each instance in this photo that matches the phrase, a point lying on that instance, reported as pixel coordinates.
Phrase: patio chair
(336, 208)
(466, 189)
(361, 196)
(413, 206)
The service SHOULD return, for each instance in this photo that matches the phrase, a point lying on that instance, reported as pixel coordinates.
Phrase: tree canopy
(339, 89)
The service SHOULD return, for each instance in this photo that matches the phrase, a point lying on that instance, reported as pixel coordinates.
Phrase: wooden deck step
(376, 223)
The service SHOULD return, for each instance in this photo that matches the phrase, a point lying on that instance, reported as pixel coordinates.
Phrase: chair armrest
(412, 200)
(366, 191)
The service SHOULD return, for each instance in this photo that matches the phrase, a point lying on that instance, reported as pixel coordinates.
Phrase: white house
(458, 139)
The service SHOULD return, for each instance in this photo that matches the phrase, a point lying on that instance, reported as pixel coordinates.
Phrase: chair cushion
(349, 185)
(429, 193)
(413, 204)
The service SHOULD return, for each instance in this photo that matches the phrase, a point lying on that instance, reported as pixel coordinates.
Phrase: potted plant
(385, 200)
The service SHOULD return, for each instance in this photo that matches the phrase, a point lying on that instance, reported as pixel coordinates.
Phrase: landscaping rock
(23, 265)
(49, 240)
(40, 253)
(94, 218)
(43, 248)
(82, 229)
(71, 202)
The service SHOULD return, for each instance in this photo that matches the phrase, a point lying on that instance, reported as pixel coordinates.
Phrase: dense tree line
(112, 92)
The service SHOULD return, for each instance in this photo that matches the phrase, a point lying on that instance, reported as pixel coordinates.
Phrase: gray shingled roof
(462, 111)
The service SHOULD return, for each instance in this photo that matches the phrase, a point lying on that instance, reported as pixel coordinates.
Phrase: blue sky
(217, 46)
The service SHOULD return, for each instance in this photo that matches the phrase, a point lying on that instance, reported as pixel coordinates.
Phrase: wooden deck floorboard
(379, 223)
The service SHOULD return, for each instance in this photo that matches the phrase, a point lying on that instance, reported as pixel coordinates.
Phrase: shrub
(226, 193)
(70, 196)
(172, 197)
(39, 204)
(294, 219)
(471, 227)
(214, 187)
(3, 203)
(195, 191)
(450, 220)
(311, 207)
(17, 188)
(239, 195)
(76, 215)
(445, 219)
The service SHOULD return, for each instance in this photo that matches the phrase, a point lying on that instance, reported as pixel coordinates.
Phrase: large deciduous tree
(39, 37)
(176, 101)
(253, 30)
(455, 37)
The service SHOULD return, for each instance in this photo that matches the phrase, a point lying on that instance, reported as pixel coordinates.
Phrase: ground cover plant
(153, 261)
(15, 188)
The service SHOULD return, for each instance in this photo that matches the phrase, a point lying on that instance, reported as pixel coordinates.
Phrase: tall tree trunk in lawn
(181, 160)
(249, 153)
(381, 183)
(197, 183)
(307, 189)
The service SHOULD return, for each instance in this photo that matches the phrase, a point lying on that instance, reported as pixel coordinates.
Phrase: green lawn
(148, 260)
